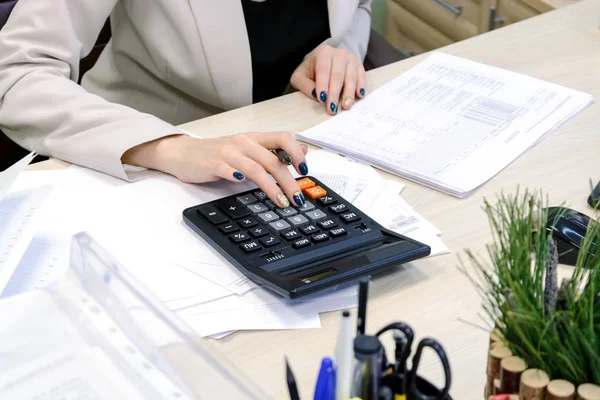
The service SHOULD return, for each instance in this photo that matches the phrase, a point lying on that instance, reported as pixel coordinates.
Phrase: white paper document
(390, 210)
(8, 176)
(45, 262)
(201, 286)
(449, 123)
(18, 224)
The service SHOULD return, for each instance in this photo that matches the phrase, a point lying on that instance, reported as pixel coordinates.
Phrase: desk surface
(562, 46)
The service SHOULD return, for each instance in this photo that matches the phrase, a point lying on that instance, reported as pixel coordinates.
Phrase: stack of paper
(196, 282)
(141, 225)
(42, 256)
(449, 123)
(19, 212)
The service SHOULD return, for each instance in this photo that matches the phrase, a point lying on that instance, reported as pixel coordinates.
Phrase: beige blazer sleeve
(356, 40)
(43, 109)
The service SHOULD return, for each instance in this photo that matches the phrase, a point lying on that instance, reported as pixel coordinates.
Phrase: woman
(169, 62)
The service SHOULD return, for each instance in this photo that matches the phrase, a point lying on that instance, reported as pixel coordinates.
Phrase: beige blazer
(169, 62)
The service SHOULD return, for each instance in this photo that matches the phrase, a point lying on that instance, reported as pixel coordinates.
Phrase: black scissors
(404, 382)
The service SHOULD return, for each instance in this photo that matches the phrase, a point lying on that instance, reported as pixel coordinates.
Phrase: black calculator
(295, 251)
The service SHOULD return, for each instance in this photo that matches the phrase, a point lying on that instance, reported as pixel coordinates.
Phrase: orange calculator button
(305, 183)
(315, 192)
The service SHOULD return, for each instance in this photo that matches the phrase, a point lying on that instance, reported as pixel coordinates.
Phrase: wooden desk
(562, 46)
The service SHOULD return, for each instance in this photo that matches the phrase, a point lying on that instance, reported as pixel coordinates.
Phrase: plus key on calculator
(295, 251)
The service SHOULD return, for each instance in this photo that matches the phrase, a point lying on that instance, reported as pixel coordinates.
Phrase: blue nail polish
(362, 92)
(303, 168)
(333, 108)
(238, 175)
(323, 96)
(299, 199)
(314, 93)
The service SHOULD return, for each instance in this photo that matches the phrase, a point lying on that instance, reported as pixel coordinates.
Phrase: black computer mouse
(569, 231)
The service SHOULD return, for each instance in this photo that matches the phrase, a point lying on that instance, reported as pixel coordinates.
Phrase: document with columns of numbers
(449, 123)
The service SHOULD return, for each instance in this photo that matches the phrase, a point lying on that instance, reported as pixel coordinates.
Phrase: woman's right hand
(235, 158)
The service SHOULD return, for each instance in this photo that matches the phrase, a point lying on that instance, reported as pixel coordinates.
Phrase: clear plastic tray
(102, 335)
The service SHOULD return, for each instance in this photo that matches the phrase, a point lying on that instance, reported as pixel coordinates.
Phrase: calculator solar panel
(295, 251)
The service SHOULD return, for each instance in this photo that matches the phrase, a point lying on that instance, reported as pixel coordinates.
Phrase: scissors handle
(401, 354)
(412, 383)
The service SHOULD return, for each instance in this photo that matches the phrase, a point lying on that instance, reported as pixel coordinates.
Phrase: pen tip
(346, 313)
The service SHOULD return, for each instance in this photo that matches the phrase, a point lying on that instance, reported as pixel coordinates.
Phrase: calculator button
(246, 199)
(261, 196)
(316, 214)
(305, 183)
(259, 231)
(300, 243)
(319, 237)
(247, 223)
(291, 235)
(327, 200)
(269, 241)
(228, 228)
(327, 224)
(270, 204)
(337, 232)
(338, 208)
(257, 208)
(315, 192)
(308, 206)
(238, 237)
(250, 246)
(297, 220)
(232, 208)
(286, 212)
(309, 229)
(279, 225)
(350, 217)
(364, 228)
(268, 216)
(212, 214)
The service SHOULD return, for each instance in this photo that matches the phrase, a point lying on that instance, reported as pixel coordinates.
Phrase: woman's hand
(235, 158)
(327, 73)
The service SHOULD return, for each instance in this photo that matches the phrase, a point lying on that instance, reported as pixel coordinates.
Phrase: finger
(336, 80)
(257, 173)
(285, 141)
(278, 170)
(225, 171)
(361, 82)
(322, 72)
(301, 81)
(304, 148)
(349, 91)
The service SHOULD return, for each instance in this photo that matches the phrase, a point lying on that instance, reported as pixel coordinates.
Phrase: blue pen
(325, 387)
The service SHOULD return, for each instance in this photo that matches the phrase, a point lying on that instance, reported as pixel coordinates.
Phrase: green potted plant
(553, 326)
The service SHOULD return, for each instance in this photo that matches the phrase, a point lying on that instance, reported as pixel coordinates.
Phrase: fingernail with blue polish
(299, 199)
(362, 92)
(314, 93)
(323, 96)
(238, 175)
(303, 168)
(333, 108)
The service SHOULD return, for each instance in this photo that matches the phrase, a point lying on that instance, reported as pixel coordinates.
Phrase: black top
(366, 345)
(281, 34)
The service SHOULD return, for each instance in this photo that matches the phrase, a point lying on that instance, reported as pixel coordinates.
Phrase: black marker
(291, 382)
(361, 320)
(283, 156)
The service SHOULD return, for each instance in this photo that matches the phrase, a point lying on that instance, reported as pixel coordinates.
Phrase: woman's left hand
(331, 76)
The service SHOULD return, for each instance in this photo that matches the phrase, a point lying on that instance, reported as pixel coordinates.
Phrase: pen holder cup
(427, 389)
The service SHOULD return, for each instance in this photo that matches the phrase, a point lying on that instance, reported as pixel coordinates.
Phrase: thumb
(303, 83)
